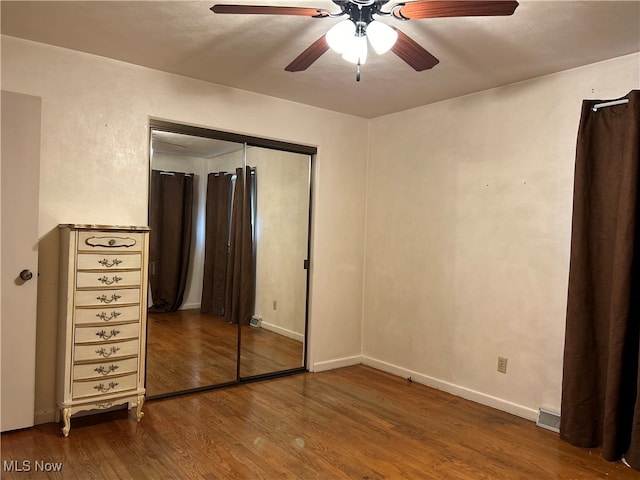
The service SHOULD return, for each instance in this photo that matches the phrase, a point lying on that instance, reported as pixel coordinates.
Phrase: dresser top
(86, 226)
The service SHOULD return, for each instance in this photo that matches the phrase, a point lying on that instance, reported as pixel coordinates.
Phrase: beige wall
(94, 154)
(467, 236)
(283, 213)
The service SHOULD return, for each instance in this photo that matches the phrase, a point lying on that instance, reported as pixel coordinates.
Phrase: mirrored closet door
(280, 216)
(229, 251)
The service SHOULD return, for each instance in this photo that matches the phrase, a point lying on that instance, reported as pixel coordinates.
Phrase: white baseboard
(282, 331)
(190, 306)
(464, 392)
(337, 363)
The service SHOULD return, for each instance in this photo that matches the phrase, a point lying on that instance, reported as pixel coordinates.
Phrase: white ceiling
(250, 51)
(191, 146)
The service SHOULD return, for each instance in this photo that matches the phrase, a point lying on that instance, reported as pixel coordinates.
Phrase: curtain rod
(613, 103)
(171, 174)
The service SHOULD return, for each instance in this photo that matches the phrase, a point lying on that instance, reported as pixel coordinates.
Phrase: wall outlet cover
(502, 364)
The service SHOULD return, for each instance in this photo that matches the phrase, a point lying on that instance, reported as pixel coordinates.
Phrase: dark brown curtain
(241, 276)
(600, 405)
(218, 217)
(171, 207)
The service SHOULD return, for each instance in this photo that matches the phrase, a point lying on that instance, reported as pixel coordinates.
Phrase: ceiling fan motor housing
(361, 12)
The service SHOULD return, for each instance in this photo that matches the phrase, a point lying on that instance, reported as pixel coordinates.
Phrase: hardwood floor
(263, 351)
(187, 349)
(352, 423)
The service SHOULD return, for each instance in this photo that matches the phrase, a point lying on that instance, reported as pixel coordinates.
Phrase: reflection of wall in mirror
(200, 167)
(282, 231)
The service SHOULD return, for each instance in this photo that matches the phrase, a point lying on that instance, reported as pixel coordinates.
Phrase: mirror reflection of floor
(263, 351)
(187, 349)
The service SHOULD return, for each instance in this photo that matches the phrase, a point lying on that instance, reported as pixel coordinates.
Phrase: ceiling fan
(349, 37)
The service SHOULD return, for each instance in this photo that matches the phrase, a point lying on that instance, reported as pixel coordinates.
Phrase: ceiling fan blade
(452, 8)
(412, 53)
(269, 10)
(310, 55)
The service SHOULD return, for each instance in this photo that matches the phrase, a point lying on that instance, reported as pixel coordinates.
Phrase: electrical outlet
(502, 364)
(275, 305)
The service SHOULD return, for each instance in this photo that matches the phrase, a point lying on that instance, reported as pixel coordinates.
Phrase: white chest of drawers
(102, 318)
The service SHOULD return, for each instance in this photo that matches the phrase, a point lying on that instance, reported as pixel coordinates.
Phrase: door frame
(248, 141)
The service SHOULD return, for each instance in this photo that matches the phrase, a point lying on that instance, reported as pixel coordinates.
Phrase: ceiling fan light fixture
(339, 36)
(356, 50)
(381, 36)
(349, 37)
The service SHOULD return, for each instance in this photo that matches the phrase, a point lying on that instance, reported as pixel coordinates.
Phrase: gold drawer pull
(103, 298)
(106, 336)
(112, 242)
(106, 263)
(103, 316)
(106, 281)
(105, 371)
(103, 389)
(107, 353)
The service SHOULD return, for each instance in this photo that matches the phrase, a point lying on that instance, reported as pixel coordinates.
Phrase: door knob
(26, 275)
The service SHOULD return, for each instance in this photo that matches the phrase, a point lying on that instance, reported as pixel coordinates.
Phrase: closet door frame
(248, 141)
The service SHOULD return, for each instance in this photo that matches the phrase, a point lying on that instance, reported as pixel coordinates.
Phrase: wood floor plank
(350, 423)
(187, 349)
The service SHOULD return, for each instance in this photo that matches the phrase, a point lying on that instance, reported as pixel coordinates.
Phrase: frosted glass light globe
(339, 36)
(381, 36)
(356, 50)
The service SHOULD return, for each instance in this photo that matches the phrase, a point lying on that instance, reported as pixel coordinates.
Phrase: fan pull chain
(358, 72)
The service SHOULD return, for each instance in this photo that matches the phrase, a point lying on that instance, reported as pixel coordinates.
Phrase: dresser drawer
(103, 386)
(107, 315)
(110, 241)
(105, 369)
(105, 333)
(107, 279)
(113, 350)
(115, 261)
(85, 298)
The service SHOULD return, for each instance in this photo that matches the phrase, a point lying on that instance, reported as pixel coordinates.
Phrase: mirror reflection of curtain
(241, 265)
(218, 217)
(171, 206)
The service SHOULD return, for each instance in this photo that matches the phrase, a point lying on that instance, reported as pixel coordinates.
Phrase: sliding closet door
(243, 312)
(276, 208)
(193, 346)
